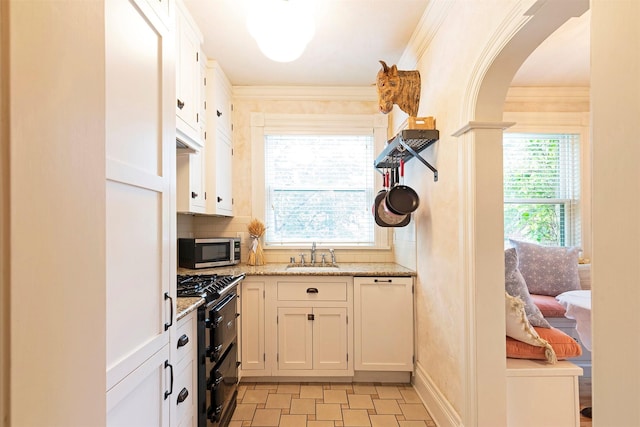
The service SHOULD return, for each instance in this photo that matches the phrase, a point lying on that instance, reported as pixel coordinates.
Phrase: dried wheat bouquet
(256, 254)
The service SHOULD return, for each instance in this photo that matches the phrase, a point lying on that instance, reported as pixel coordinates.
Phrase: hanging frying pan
(401, 199)
(383, 217)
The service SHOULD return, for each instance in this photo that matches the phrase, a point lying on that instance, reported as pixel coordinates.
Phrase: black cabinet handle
(168, 325)
(312, 290)
(311, 317)
(183, 340)
(218, 113)
(194, 195)
(168, 393)
(182, 396)
(219, 199)
(180, 104)
(383, 281)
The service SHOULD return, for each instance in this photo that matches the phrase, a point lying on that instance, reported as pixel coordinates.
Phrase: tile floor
(584, 384)
(329, 405)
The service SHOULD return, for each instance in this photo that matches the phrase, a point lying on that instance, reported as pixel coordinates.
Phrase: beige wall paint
(4, 217)
(615, 109)
(57, 213)
(460, 343)
(282, 101)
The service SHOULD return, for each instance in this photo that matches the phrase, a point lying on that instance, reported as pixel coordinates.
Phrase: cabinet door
(140, 211)
(383, 324)
(224, 157)
(252, 333)
(329, 338)
(190, 190)
(222, 102)
(139, 399)
(187, 103)
(295, 342)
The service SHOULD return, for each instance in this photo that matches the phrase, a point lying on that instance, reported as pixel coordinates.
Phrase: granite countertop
(280, 269)
(186, 305)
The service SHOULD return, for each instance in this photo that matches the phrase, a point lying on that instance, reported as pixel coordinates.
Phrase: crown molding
(548, 94)
(307, 93)
(429, 24)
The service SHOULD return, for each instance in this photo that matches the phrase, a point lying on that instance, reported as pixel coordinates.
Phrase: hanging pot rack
(405, 146)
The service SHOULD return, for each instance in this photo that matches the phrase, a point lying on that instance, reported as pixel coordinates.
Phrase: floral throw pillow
(548, 270)
(516, 286)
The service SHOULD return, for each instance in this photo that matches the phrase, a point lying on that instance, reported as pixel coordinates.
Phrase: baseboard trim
(438, 406)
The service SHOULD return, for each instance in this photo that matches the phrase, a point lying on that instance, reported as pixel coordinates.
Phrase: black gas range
(217, 356)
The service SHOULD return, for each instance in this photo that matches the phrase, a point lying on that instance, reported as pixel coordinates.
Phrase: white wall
(615, 109)
(56, 216)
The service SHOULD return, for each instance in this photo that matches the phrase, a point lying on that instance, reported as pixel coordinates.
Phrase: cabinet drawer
(186, 327)
(184, 391)
(312, 291)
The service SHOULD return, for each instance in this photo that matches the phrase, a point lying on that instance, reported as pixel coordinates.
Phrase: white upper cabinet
(190, 182)
(219, 142)
(188, 79)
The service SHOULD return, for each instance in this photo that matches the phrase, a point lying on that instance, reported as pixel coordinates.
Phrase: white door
(329, 338)
(295, 342)
(140, 212)
(383, 328)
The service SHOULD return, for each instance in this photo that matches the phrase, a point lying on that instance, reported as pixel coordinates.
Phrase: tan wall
(285, 100)
(57, 213)
(455, 273)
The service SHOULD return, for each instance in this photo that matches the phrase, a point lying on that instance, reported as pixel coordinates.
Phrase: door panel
(294, 338)
(330, 338)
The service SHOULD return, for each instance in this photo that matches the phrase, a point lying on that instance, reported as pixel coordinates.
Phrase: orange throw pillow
(564, 346)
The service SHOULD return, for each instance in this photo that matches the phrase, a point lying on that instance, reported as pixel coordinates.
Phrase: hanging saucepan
(383, 217)
(401, 199)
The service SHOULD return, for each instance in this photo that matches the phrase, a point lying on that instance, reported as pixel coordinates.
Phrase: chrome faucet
(333, 256)
(313, 253)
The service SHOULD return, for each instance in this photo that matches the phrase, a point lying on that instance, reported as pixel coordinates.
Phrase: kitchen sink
(313, 267)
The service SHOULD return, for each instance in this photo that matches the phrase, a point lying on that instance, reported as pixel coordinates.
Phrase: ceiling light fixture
(282, 28)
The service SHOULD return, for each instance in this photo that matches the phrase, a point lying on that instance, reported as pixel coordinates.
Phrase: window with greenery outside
(542, 188)
(319, 188)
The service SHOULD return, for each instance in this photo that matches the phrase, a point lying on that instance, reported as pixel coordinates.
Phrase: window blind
(319, 188)
(542, 188)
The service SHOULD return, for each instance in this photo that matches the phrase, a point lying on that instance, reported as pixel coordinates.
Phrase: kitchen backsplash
(210, 226)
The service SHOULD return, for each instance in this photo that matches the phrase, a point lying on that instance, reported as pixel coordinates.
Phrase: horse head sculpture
(398, 87)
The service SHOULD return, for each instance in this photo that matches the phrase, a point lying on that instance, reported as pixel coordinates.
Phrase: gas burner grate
(207, 286)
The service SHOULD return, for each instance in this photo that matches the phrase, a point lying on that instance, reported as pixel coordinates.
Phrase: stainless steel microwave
(208, 252)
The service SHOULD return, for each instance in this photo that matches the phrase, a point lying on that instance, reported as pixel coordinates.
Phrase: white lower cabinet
(312, 338)
(297, 326)
(252, 327)
(383, 324)
(137, 399)
(326, 326)
(184, 397)
(313, 333)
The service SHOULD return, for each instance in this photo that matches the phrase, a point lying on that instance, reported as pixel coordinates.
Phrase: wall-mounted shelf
(405, 146)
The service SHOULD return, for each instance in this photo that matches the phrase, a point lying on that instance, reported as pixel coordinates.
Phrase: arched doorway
(481, 203)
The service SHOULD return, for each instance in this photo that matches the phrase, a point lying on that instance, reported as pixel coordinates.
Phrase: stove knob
(207, 323)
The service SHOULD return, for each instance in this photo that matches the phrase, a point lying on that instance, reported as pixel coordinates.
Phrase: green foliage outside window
(540, 187)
